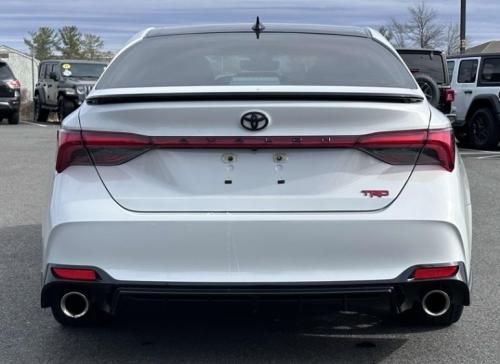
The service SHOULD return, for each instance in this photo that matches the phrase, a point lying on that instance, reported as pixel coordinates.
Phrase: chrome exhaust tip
(74, 304)
(436, 303)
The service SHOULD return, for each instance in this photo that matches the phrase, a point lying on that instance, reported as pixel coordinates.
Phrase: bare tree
(386, 32)
(399, 33)
(452, 39)
(423, 28)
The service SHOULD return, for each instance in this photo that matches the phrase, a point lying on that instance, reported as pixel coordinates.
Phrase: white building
(25, 70)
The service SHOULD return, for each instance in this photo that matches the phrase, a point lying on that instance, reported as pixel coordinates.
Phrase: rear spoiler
(261, 96)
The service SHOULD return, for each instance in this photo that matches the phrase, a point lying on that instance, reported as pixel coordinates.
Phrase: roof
(72, 61)
(269, 28)
(12, 50)
(467, 55)
(485, 48)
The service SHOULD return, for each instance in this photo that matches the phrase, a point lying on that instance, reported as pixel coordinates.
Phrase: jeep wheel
(64, 107)
(429, 87)
(39, 114)
(484, 130)
(14, 118)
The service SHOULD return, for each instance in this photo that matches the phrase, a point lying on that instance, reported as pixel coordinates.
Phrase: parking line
(31, 123)
(489, 156)
(481, 153)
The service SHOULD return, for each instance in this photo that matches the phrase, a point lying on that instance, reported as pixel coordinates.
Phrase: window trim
(480, 82)
(450, 76)
(460, 68)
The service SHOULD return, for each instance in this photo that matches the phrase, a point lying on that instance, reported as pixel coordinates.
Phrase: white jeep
(476, 81)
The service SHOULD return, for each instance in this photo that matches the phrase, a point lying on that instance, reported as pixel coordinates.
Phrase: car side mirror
(53, 76)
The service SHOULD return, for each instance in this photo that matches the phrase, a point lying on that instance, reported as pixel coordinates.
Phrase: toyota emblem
(254, 120)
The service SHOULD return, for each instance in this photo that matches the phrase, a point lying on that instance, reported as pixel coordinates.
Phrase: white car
(288, 162)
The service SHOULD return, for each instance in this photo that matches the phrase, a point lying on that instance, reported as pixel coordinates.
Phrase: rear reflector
(435, 272)
(435, 147)
(75, 274)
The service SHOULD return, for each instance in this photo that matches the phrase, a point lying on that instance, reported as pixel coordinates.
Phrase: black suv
(63, 85)
(10, 94)
(431, 72)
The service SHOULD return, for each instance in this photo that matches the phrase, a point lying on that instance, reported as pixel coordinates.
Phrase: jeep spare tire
(429, 87)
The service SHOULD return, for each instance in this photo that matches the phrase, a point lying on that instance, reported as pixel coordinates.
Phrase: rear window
(490, 72)
(5, 72)
(428, 63)
(242, 59)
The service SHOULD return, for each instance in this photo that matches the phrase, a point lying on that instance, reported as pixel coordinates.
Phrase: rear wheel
(14, 118)
(64, 107)
(39, 113)
(484, 129)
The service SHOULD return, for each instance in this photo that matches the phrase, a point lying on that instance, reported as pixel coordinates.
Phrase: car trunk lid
(200, 158)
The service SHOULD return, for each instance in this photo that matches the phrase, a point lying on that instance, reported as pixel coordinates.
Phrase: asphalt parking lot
(29, 334)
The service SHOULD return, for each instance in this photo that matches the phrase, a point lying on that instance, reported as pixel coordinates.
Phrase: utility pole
(463, 19)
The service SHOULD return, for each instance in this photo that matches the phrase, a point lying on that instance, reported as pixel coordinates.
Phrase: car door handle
(467, 91)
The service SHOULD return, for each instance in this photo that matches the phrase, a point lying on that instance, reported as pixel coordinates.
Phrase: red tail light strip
(75, 274)
(435, 272)
(401, 147)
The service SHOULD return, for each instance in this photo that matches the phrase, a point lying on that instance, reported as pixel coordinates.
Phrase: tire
(39, 113)
(462, 136)
(64, 107)
(417, 316)
(484, 129)
(14, 118)
(429, 87)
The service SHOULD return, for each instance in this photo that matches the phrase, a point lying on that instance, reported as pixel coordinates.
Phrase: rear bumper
(8, 105)
(397, 295)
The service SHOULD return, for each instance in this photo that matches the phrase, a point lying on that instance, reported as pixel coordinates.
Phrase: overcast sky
(117, 20)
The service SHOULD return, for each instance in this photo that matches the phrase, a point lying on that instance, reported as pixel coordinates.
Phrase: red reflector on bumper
(75, 274)
(435, 272)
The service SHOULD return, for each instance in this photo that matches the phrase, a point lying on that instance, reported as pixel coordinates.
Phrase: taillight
(439, 149)
(110, 149)
(14, 84)
(435, 147)
(103, 148)
(449, 95)
(435, 272)
(70, 150)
